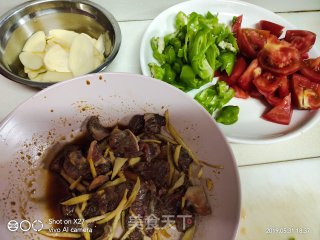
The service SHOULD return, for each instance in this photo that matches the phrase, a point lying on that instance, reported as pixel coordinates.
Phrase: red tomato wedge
(239, 93)
(252, 71)
(274, 28)
(251, 41)
(273, 100)
(281, 113)
(283, 89)
(237, 71)
(266, 83)
(301, 39)
(306, 94)
(279, 57)
(311, 69)
(236, 25)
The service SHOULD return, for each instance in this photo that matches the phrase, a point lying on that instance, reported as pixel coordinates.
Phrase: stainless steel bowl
(82, 16)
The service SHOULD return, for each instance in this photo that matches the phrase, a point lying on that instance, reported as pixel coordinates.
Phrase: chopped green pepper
(190, 55)
(156, 71)
(215, 97)
(170, 54)
(228, 115)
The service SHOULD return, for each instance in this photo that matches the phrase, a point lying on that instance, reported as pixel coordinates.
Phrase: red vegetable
(301, 39)
(237, 71)
(306, 94)
(311, 69)
(279, 57)
(253, 70)
(251, 41)
(239, 93)
(266, 83)
(280, 113)
(274, 28)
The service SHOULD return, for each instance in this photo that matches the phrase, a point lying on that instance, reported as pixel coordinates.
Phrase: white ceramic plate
(250, 128)
(57, 113)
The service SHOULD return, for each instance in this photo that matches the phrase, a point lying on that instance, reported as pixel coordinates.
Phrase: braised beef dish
(128, 182)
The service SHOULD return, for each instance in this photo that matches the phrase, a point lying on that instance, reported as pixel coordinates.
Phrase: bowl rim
(116, 47)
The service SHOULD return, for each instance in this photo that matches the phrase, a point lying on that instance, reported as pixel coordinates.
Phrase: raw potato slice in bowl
(62, 37)
(56, 59)
(36, 43)
(81, 55)
(31, 60)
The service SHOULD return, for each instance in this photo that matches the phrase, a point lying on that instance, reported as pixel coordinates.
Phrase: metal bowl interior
(81, 16)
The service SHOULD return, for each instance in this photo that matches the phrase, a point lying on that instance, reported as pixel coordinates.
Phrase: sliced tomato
(253, 92)
(311, 69)
(283, 89)
(237, 71)
(239, 92)
(306, 94)
(281, 113)
(304, 56)
(252, 71)
(279, 57)
(236, 25)
(301, 39)
(274, 28)
(251, 41)
(273, 100)
(266, 83)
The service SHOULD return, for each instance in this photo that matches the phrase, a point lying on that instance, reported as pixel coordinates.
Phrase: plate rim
(313, 120)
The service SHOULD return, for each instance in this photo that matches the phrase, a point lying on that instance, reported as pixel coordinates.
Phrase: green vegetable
(188, 57)
(169, 74)
(188, 77)
(215, 97)
(156, 71)
(181, 20)
(157, 46)
(200, 42)
(227, 59)
(170, 54)
(228, 115)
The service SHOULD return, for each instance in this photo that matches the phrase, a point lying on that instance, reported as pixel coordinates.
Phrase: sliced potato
(81, 58)
(62, 37)
(57, 59)
(93, 40)
(51, 76)
(98, 59)
(36, 43)
(31, 60)
(38, 78)
(99, 45)
(34, 73)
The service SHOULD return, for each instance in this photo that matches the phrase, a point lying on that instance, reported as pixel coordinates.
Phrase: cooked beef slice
(156, 170)
(101, 164)
(141, 205)
(123, 143)
(136, 124)
(153, 123)
(184, 161)
(150, 150)
(95, 129)
(75, 164)
(136, 235)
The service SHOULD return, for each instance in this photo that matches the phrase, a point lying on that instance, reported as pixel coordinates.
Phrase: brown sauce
(57, 188)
